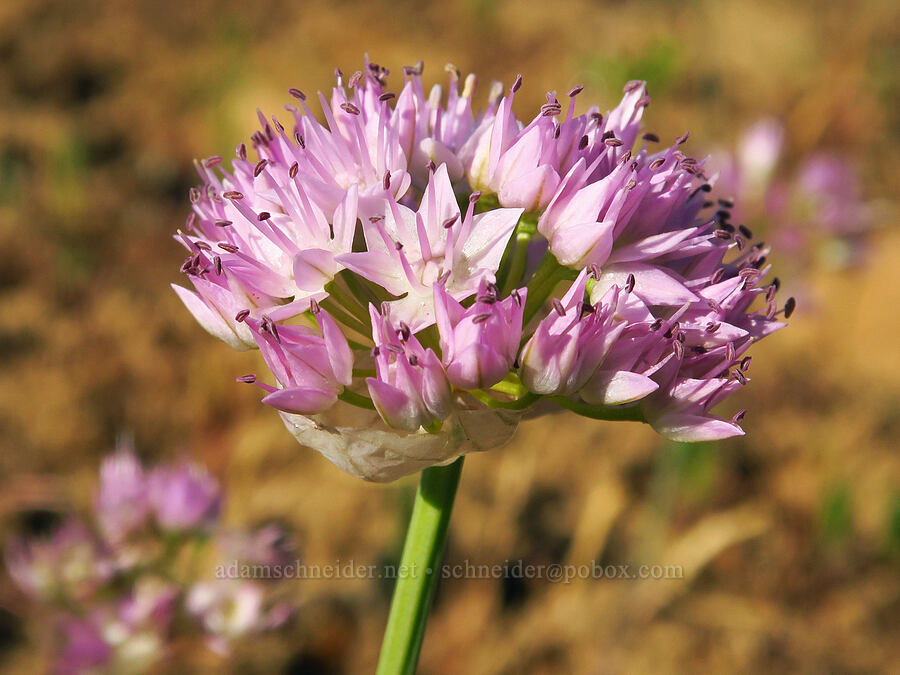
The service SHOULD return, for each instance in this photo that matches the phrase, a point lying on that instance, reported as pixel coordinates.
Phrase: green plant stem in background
(419, 569)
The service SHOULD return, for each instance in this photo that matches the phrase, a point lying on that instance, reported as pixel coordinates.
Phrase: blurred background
(789, 537)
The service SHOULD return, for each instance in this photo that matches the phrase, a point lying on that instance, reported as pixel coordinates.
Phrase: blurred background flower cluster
(130, 589)
(789, 537)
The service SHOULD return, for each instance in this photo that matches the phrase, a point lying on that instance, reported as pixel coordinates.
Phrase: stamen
(480, 318)
(789, 307)
(233, 194)
(240, 316)
(386, 96)
(263, 215)
(246, 379)
(558, 306)
(651, 138)
(296, 93)
(744, 230)
(349, 108)
(258, 169)
(629, 283)
(517, 84)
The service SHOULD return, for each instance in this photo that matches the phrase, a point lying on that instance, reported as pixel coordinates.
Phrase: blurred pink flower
(121, 502)
(70, 561)
(183, 497)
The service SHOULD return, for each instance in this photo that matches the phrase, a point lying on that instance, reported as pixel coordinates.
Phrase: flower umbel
(385, 259)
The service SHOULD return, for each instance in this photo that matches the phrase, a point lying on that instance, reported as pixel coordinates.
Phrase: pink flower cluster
(414, 256)
(121, 592)
(816, 213)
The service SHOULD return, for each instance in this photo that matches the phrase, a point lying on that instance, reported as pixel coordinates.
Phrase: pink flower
(569, 344)
(183, 497)
(411, 251)
(121, 501)
(312, 368)
(479, 343)
(758, 153)
(70, 562)
(414, 204)
(410, 389)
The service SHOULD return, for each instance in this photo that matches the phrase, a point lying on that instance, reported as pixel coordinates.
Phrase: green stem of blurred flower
(419, 569)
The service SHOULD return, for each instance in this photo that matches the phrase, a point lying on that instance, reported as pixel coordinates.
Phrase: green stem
(419, 569)
(358, 400)
(517, 266)
(548, 274)
(348, 320)
(509, 276)
(632, 414)
(518, 404)
(349, 303)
